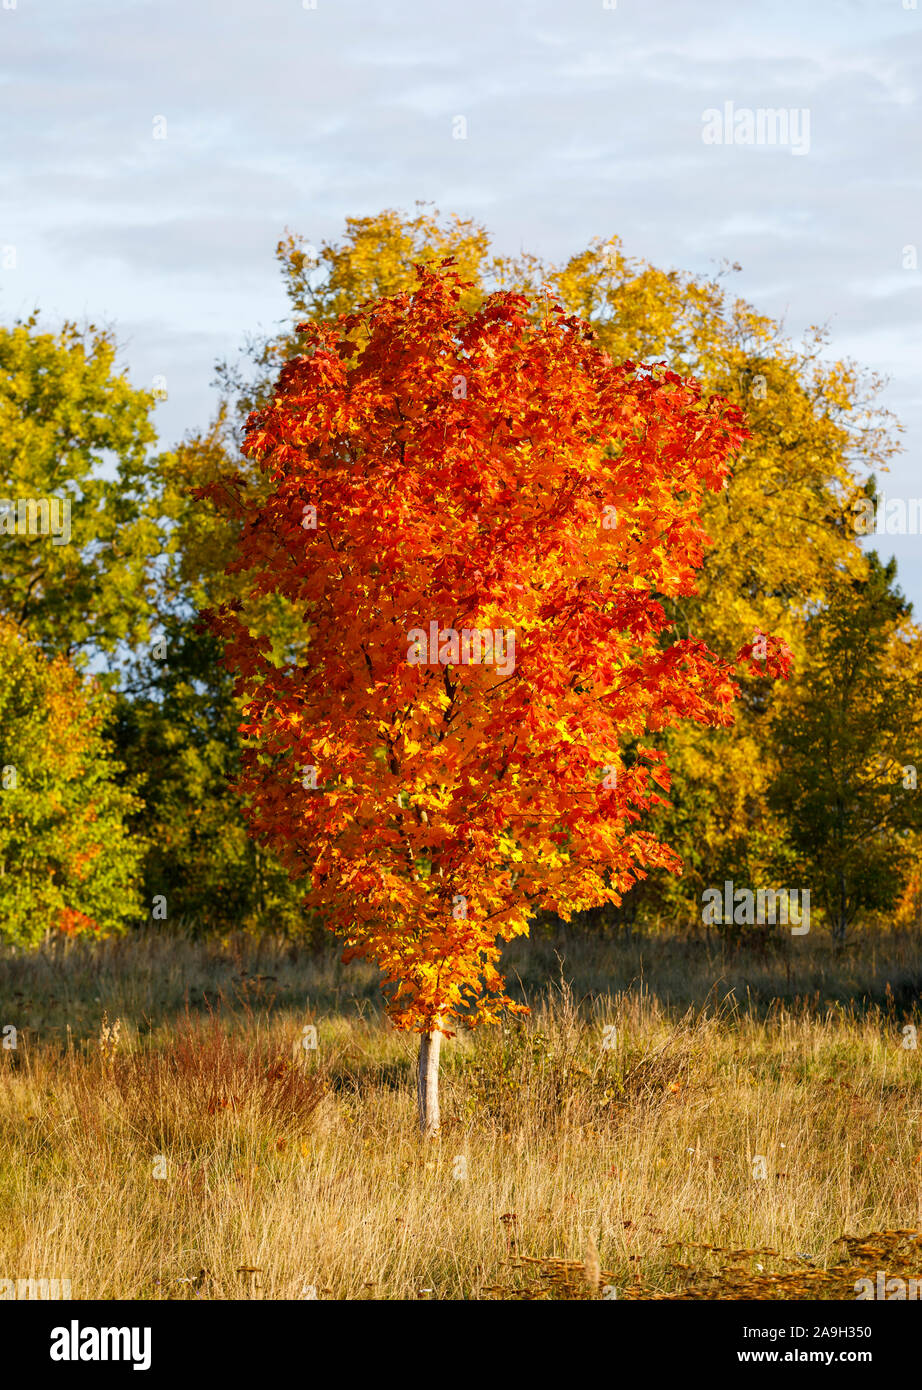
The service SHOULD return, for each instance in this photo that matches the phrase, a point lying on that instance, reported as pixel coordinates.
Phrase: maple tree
(779, 529)
(437, 472)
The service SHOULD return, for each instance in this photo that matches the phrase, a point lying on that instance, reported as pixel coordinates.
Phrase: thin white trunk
(427, 1083)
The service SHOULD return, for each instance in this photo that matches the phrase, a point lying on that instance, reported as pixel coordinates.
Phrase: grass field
(165, 1134)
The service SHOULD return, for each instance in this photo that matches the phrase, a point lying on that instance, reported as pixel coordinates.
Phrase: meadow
(677, 1118)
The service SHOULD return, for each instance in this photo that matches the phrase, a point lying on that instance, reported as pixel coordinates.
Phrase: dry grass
(288, 1170)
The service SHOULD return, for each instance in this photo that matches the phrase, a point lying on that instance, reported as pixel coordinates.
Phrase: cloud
(582, 121)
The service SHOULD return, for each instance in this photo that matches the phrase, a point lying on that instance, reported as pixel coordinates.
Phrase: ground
(165, 1132)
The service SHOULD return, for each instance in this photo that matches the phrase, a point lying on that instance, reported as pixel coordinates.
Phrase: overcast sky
(582, 121)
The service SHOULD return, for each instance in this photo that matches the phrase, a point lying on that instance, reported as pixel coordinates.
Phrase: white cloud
(583, 121)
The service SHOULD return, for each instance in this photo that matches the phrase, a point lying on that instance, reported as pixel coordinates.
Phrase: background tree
(67, 861)
(177, 722)
(848, 749)
(783, 523)
(434, 471)
(67, 417)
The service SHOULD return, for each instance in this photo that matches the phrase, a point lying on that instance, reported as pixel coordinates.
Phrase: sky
(154, 152)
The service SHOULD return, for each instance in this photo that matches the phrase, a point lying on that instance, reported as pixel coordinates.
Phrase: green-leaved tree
(848, 745)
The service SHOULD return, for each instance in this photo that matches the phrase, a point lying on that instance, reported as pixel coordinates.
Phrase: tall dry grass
(198, 1150)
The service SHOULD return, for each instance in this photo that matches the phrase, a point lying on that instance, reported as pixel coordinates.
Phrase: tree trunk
(842, 922)
(427, 1082)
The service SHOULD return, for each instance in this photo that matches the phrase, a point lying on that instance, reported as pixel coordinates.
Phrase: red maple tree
(475, 516)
